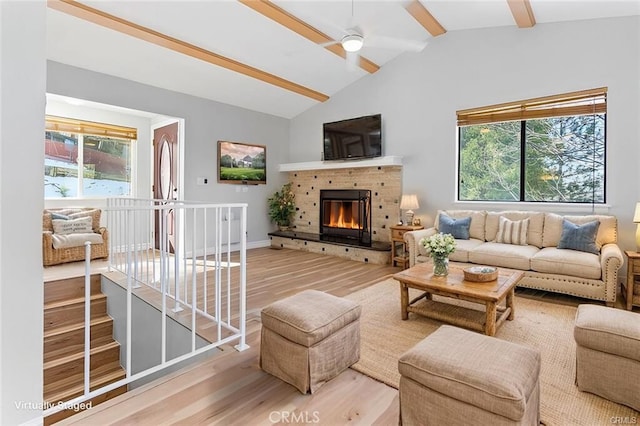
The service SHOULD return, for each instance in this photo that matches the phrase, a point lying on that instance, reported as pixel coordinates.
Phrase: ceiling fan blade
(394, 43)
(329, 43)
(352, 59)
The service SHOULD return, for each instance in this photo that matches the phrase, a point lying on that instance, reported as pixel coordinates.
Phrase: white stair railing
(193, 258)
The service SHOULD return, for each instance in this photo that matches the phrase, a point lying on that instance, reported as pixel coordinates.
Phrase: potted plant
(282, 206)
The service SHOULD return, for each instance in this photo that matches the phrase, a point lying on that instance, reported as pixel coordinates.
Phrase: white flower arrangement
(439, 245)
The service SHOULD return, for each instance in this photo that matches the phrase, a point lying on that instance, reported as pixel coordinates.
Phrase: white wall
(22, 99)
(418, 95)
(206, 122)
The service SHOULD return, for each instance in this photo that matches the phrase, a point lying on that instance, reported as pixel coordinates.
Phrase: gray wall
(418, 95)
(206, 122)
(146, 334)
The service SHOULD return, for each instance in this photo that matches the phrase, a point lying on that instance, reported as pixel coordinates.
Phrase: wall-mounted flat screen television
(353, 138)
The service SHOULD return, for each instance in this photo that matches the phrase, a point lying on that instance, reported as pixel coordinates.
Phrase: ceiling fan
(354, 39)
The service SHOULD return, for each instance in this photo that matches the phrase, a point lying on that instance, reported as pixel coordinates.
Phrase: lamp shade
(410, 202)
(636, 215)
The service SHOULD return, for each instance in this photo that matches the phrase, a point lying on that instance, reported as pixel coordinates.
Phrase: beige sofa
(547, 267)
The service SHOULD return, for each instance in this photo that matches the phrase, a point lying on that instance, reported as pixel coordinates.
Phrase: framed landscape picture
(242, 163)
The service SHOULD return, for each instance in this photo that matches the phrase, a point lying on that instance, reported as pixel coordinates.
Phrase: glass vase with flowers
(439, 247)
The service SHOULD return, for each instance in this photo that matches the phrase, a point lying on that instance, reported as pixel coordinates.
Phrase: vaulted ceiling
(279, 57)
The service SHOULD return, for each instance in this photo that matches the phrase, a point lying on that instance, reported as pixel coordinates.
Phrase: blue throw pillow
(59, 216)
(459, 228)
(579, 237)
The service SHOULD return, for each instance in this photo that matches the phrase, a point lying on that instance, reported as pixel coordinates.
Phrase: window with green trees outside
(550, 149)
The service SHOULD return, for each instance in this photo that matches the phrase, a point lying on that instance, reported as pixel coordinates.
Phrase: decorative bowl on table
(481, 274)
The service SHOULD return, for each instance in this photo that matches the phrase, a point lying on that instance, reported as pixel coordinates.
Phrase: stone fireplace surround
(382, 176)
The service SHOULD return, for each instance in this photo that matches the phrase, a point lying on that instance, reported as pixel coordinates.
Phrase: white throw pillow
(80, 225)
(512, 231)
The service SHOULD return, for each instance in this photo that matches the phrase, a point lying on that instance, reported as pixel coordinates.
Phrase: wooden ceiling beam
(284, 18)
(424, 18)
(522, 13)
(112, 22)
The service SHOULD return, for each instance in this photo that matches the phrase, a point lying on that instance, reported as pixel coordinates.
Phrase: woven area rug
(543, 325)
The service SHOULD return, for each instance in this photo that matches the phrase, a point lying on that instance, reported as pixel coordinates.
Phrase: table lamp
(408, 203)
(636, 219)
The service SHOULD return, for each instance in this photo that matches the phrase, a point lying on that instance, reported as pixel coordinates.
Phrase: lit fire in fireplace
(344, 215)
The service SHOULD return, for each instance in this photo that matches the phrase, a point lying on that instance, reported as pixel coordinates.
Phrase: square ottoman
(608, 353)
(458, 377)
(309, 338)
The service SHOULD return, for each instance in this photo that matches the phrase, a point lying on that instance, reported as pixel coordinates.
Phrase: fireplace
(345, 215)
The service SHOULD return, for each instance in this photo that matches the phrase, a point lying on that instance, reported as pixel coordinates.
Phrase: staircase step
(61, 415)
(67, 312)
(70, 288)
(74, 350)
(73, 385)
(58, 369)
(61, 341)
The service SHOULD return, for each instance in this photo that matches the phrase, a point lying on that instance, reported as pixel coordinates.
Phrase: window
(549, 149)
(102, 152)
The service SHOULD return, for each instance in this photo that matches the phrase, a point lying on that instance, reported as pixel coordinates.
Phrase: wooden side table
(632, 289)
(399, 255)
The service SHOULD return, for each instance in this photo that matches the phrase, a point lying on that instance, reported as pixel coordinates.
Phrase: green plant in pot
(282, 206)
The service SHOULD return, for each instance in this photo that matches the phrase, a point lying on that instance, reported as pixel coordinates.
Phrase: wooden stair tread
(75, 351)
(68, 288)
(75, 326)
(79, 354)
(73, 386)
(67, 302)
(96, 374)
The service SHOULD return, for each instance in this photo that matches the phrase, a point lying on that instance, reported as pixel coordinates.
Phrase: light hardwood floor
(230, 388)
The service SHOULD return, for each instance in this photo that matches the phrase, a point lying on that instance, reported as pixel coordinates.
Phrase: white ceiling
(232, 29)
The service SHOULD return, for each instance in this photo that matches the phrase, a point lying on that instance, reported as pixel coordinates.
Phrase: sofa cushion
(505, 255)
(61, 241)
(579, 237)
(607, 231)
(94, 214)
(458, 228)
(71, 213)
(476, 228)
(512, 231)
(463, 247)
(552, 260)
(81, 225)
(534, 233)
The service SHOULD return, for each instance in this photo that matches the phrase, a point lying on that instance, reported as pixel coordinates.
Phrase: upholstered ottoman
(309, 338)
(608, 353)
(458, 377)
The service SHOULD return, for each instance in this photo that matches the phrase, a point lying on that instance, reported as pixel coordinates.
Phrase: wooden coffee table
(490, 294)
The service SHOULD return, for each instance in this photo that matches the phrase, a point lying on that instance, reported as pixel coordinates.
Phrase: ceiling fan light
(352, 42)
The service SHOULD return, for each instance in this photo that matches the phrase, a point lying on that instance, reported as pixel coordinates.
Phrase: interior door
(165, 185)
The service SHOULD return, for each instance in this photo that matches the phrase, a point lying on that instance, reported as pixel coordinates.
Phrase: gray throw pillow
(459, 228)
(579, 237)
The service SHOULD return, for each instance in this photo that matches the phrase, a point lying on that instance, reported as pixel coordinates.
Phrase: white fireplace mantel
(389, 160)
